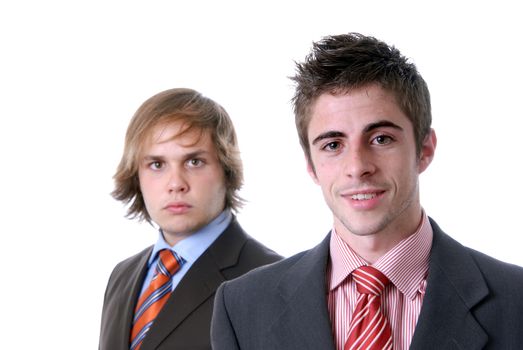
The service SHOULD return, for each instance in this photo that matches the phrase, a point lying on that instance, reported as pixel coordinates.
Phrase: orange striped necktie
(155, 296)
(369, 328)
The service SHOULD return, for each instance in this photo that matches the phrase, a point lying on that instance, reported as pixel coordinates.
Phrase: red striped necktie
(155, 296)
(369, 328)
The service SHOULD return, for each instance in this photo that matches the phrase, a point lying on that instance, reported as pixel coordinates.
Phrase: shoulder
(251, 255)
(266, 274)
(501, 311)
(286, 273)
(235, 252)
(133, 260)
(498, 272)
(261, 282)
(128, 266)
(451, 255)
(252, 249)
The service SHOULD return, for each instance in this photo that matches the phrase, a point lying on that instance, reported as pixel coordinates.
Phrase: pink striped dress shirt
(406, 266)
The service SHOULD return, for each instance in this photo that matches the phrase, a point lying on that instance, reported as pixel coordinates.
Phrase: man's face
(182, 180)
(364, 158)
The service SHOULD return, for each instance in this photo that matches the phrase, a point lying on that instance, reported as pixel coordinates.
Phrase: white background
(72, 73)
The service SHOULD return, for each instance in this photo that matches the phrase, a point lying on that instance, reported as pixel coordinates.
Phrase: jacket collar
(454, 286)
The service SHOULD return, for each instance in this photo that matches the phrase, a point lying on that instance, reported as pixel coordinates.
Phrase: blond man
(180, 171)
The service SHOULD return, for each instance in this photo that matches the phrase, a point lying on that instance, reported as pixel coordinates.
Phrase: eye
(156, 165)
(195, 163)
(332, 146)
(382, 140)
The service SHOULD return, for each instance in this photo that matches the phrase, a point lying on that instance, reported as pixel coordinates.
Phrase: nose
(177, 181)
(359, 163)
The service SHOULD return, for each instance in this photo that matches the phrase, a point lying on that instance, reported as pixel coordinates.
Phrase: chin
(365, 232)
(363, 227)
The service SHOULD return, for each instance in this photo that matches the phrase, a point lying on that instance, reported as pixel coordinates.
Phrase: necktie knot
(369, 280)
(169, 262)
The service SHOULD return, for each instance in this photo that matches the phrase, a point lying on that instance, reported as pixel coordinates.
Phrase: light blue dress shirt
(189, 248)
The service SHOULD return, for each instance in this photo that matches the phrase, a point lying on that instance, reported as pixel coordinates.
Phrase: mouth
(178, 207)
(364, 199)
(363, 196)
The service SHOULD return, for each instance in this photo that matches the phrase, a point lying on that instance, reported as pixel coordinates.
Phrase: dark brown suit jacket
(184, 322)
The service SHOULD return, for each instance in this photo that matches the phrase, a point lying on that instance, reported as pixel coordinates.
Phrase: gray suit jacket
(472, 302)
(184, 321)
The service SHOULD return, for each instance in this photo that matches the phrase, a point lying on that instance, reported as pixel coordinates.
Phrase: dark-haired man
(386, 276)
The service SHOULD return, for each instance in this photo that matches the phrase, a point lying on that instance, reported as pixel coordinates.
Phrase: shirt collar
(191, 247)
(405, 265)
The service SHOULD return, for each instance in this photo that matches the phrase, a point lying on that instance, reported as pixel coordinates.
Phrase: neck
(371, 247)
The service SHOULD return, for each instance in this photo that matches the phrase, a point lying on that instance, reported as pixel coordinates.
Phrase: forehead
(180, 134)
(355, 109)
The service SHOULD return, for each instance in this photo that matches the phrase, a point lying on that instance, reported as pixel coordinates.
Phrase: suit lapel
(198, 285)
(128, 292)
(454, 286)
(304, 321)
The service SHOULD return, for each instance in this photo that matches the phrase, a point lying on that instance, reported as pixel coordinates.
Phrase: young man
(181, 170)
(386, 276)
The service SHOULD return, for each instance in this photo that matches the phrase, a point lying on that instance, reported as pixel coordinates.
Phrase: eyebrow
(328, 135)
(196, 154)
(382, 124)
(189, 155)
(152, 157)
(370, 127)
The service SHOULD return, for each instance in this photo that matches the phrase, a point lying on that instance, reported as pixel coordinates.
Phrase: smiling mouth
(361, 196)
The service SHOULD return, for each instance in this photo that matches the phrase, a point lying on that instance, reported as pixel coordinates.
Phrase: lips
(363, 196)
(178, 207)
(367, 199)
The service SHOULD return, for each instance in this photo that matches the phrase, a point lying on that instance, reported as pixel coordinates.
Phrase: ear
(311, 170)
(428, 149)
